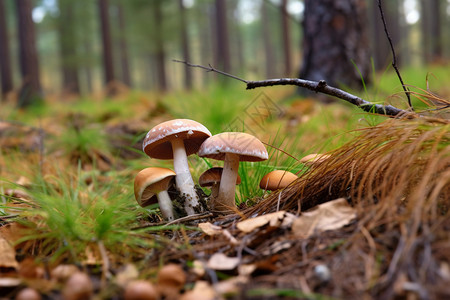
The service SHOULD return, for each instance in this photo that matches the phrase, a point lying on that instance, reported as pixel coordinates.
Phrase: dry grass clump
(397, 175)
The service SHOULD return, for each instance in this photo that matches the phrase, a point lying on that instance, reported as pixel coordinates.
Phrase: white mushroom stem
(225, 199)
(183, 178)
(165, 205)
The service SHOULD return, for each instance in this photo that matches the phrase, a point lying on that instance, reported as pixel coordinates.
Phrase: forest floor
(370, 222)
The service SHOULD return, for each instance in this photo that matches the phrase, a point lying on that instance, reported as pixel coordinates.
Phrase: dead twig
(318, 87)
(394, 57)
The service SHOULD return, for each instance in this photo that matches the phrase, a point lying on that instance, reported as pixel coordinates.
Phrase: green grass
(67, 215)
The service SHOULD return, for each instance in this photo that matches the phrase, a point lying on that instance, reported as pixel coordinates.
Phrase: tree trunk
(335, 45)
(222, 40)
(5, 64)
(431, 30)
(108, 62)
(30, 91)
(380, 45)
(185, 46)
(267, 40)
(160, 55)
(286, 38)
(126, 78)
(68, 46)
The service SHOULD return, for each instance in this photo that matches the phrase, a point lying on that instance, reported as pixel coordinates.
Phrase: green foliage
(68, 215)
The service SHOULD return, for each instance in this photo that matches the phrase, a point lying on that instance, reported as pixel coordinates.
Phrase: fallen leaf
(327, 216)
(127, 274)
(210, 229)
(219, 261)
(277, 219)
(8, 255)
(202, 291)
(232, 285)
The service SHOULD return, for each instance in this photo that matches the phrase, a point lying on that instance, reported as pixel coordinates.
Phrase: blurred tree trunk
(380, 45)
(160, 55)
(68, 48)
(431, 30)
(222, 40)
(30, 91)
(185, 46)
(267, 40)
(5, 64)
(108, 63)
(286, 38)
(123, 46)
(335, 45)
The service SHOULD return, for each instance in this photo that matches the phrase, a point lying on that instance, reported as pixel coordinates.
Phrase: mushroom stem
(183, 178)
(225, 200)
(165, 205)
(215, 190)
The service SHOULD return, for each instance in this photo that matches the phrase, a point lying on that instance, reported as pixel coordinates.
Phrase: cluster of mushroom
(176, 139)
(179, 138)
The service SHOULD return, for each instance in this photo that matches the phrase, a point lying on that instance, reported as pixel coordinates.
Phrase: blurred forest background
(72, 47)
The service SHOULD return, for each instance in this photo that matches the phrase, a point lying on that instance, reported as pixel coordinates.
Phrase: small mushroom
(78, 287)
(314, 158)
(140, 290)
(231, 147)
(277, 179)
(171, 279)
(176, 139)
(151, 185)
(211, 178)
(28, 294)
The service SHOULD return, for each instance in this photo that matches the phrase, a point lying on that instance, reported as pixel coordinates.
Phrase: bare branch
(394, 58)
(210, 69)
(318, 87)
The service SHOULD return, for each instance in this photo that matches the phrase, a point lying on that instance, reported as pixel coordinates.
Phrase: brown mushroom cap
(157, 141)
(140, 290)
(276, 180)
(311, 159)
(171, 279)
(248, 147)
(149, 182)
(212, 176)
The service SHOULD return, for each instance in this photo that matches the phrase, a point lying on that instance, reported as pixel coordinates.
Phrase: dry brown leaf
(210, 229)
(8, 255)
(202, 291)
(327, 216)
(277, 219)
(231, 285)
(219, 261)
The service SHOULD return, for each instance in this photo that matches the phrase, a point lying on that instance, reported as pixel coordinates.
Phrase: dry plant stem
(184, 179)
(394, 58)
(225, 200)
(318, 87)
(165, 205)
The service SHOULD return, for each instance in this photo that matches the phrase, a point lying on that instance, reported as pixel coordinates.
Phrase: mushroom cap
(276, 180)
(140, 290)
(314, 158)
(149, 182)
(171, 276)
(212, 176)
(248, 147)
(157, 141)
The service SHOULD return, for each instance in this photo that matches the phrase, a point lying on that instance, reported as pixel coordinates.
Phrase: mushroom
(311, 159)
(151, 185)
(176, 139)
(171, 279)
(277, 179)
(211, 178)
(231, 147)
(140, 290)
